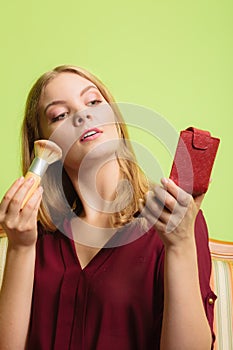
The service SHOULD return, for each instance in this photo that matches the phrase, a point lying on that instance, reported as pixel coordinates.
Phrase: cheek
(64, 138)
(62, 133)
(46, 129)
(114, 132)
(43, 130)
(72, 158)
(107, 119)
(103, 115)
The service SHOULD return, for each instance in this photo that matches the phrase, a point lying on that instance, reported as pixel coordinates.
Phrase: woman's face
(75, 115)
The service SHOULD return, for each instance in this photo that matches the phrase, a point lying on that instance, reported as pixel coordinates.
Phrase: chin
(102, 152)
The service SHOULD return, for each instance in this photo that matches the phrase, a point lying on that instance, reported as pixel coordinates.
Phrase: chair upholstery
(3, 249)
(221, 283)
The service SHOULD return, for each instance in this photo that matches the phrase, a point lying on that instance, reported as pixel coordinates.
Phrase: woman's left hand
(172, 211)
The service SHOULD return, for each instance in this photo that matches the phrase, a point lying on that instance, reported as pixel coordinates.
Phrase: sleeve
(204, 267)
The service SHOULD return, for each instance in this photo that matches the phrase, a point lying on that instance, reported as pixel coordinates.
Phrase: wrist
(182, 247)
(24, 249)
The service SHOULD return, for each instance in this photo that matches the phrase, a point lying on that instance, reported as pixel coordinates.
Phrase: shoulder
(48, 239)
(200, 223)
(201, 231)
(43, 232)
(137, 234)
(203, 251)
(50, 248)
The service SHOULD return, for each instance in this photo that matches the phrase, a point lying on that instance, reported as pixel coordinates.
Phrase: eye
(59, 117)
(94, 102)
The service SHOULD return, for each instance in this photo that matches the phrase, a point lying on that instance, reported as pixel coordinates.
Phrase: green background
(174, 57)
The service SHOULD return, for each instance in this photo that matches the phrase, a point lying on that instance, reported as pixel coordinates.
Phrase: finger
(16, 201)
(165, 198)
(178, 193)
(146, 214)
(34, 200)
(26, 219)
(162, 223)
(153, 210)
(151, 218)
(29, 213)
(10, 194)
(157, 209)
(160, 227)
(153, 204)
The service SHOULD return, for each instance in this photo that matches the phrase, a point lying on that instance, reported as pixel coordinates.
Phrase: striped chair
(222, 285)
(221, 282)
(3, 248)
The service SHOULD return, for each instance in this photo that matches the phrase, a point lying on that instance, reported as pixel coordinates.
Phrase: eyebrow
(60, 102)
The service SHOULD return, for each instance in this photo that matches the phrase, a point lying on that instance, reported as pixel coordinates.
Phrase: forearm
(185, 326)
(15, 298)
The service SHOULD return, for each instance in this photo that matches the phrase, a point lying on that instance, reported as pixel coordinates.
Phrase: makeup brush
(46, 153)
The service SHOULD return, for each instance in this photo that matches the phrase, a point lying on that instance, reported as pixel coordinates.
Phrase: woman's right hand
(19, 224)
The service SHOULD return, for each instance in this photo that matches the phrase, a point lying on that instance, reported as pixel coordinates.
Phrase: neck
(96, 187)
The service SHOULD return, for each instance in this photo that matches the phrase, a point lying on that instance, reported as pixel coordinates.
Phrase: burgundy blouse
(115, 302)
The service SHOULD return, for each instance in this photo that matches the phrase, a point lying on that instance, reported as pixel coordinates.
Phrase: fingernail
(21, 179)
(140, 203)
(164, 181)
(31, 180)
(41, 190)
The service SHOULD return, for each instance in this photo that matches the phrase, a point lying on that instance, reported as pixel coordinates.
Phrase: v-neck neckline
(93, 261)
(97, 260)
(122, 236)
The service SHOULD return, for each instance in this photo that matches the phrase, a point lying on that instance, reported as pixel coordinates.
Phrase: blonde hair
(59, 196)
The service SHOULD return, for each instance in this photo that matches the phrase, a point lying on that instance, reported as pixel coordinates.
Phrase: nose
(80, 118)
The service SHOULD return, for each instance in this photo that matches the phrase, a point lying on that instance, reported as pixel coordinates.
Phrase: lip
(92, 137)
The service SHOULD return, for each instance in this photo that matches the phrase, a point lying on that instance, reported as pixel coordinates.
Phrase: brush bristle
(47, 150)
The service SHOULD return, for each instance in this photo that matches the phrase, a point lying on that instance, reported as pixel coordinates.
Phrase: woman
(82, 271)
